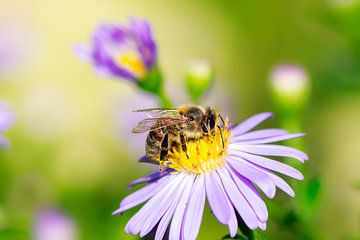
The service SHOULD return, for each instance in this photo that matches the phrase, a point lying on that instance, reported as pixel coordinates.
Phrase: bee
(172, 128)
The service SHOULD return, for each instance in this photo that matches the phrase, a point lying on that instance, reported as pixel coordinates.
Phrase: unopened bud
(199, 77)
(290, 86)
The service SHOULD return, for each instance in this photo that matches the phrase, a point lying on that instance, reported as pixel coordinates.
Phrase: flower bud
(290, 86)
(199, 77)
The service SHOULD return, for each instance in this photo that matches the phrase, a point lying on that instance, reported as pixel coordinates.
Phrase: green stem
(164, 99)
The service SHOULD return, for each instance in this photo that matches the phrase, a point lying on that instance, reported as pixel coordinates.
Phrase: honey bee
(172, 128)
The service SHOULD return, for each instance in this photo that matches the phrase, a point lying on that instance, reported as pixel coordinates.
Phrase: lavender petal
(272, 165)
(164, 222)
(255, 201)
(144, 159)
(273, 139)
(280, 183)
(262, 180)
(135, 224)
(177, 221)
(141, 195)
(146, 45)
(217, 198)
(271, 150)
(262, 225)
(250, 123)
(259, 134)
(83, 52)
(238, 200)
(159, 210)
(220, 203)
(195, 209)
(233, 223)
(149, 178)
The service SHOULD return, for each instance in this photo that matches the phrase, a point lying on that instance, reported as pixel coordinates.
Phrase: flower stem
(164, 99)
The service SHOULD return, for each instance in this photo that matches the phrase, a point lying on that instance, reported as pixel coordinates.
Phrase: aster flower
(6, 120)
(127, 52)
(229, 177)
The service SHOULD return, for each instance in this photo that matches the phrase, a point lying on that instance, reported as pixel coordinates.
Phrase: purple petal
(144, 159)
(217, 198)
(271, 150)
(273, 139)
(280, 183)
(105, 38)
(159, 210)
(262, 225)
(255, 175)
(219, 202)
(83, 52)
(272, 165)
(252, 197)
(141, 30)
(142, 195)
(233, 223)
(149, 178)
(259, 134)
(177, 221)
(135, 224)
(164, 222)
(195, 209)
(238, 200)
(250, 123)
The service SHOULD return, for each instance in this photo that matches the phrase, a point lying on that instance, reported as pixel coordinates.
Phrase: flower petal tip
(271, 193)
(117, 212)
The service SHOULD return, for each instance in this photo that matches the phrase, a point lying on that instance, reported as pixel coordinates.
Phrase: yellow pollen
(131, 62)
(204, 154)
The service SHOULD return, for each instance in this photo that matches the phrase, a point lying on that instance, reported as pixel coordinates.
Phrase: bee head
(194, 114)
(210, 120)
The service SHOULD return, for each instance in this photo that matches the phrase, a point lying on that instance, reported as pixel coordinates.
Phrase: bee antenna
(222, 138)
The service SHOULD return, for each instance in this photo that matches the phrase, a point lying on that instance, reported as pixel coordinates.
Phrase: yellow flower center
(202, 155)
(131, 62)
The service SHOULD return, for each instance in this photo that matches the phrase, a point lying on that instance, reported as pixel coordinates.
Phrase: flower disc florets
(202, 155)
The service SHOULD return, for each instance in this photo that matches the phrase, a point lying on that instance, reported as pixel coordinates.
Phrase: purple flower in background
(127, 52)
(227, 176)
(6, 120)
(53, 225)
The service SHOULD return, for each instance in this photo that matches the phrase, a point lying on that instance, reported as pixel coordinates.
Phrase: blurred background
(71, 148)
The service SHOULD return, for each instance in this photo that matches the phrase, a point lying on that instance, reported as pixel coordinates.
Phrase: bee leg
(222, 120)
(183, 144)
(164, 150)
(222, 138)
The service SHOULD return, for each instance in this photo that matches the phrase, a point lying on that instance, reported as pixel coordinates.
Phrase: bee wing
(159, 112)
(150, 124)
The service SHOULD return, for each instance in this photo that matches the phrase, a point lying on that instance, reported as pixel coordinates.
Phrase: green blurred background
(71, 147)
